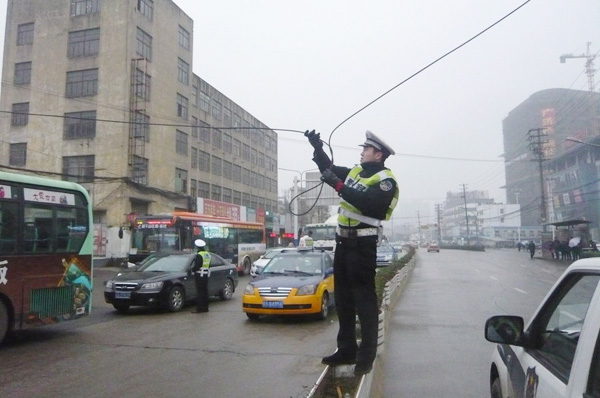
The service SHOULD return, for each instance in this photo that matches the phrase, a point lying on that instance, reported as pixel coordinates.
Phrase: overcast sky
(311, 64)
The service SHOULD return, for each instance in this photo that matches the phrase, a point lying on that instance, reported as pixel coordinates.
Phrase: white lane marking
(493, 278)
(519, 290)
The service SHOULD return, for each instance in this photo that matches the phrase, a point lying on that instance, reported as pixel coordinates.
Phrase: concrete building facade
(102, 92)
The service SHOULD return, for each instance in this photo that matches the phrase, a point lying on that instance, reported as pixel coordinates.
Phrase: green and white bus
(45, 251)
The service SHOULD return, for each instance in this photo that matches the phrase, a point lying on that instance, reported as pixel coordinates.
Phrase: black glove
(331, 179)
(314, 139)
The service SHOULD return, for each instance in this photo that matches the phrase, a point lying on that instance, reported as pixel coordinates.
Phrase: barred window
(216, 165)
(237, 198)
(181, 180)
(142, 85)
(216, 193)
(183, 71)
(139, 170)
(203, 190)
(144, 44)
(20, 114)
(237, 173)
(78, 168)
(18, 154)
(82, 83)
(217, 138)
(194, 158)
(226, 195)
(80, 125)
(204, 161)
(25, 34)
(181, 143)
(227, 170)
(83, 43)
(182, 106)
(204, 102)
(183, 38)
(141, 128)
(146, 8)
(82, 7)
(22, 73)
(227, 144)
(204, 133)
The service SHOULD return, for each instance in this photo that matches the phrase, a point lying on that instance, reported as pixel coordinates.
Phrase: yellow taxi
(297, 282)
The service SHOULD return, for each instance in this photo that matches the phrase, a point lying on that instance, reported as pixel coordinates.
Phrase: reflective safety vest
(363, 183)
(205, 258)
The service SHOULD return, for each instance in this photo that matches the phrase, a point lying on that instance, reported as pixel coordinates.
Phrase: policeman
(201, 275)
(369, 193)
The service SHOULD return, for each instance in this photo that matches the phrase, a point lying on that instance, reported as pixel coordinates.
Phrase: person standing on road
(531, 247)
(201, 272)
(369, 193)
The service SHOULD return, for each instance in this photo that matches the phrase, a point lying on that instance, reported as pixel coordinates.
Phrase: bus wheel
(121, 307)
(3, 321)
(247, 265)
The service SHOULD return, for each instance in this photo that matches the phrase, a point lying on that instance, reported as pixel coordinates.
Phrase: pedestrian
(531, 247)
(556, 248)
(593, 246)
(519, 246)
(369, 193)
(201, 276)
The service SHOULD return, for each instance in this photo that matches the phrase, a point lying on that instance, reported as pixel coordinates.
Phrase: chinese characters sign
(43, 196)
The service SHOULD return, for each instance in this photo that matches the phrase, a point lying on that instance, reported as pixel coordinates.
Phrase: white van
(558, 353)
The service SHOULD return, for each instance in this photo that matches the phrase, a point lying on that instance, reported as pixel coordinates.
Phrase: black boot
(338, 358)
(363, 367)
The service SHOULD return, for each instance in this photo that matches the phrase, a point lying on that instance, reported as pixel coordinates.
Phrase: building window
(82, 83)
(216, 165)
(195, 127)
(237, 198)
(182, 106)
(141, 128)
(217, 138)
(181, 143)
(184, 38)
(180, 181)
(204, 161)
(216, 193)
(204, 102)
(227, 170)
(226, 195)
(144, 44)
(80, 125)
(20, 114)
(82, 7)
(237, 173)
(83, 43)
(246, 152)
(146, 8)
(183, 71)
(227, 144)
(227, 116)
(78, 168)
(195, 92)
(194, 158)
(203, 190)
(204, 133)
(193, 188)
(216, 109)
(142, 85)
(22, 73)
(25, 34)
(139, 170)
(237, 148)
(18, 154)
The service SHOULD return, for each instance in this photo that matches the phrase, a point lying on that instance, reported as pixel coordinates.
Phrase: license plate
(272, 304)
(122, 295)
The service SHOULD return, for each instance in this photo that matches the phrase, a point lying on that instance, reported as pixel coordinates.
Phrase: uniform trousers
(354, 278)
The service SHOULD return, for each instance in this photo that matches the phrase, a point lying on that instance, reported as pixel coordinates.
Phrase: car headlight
(152, 286)
(249, 289)
(306, 290)
(109, 285)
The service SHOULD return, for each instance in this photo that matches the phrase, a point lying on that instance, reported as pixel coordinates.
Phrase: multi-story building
(102, 92)
(535, 132)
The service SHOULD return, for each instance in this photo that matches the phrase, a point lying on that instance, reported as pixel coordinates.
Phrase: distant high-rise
(102, 92)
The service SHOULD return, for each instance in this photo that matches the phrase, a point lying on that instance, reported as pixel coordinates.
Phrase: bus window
(71, 229)
(8, 227)
(38, 229)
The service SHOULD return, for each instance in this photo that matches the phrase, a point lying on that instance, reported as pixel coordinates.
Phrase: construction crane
(589, 64)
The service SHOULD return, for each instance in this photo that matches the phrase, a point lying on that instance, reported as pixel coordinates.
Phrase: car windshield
(272, 253)
(294, 264)
(171, 263)
(385, 248)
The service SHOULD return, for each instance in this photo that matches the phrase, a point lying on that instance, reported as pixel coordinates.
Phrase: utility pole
(537, 141)
(438, 210)
(466, 213)
(419, 226)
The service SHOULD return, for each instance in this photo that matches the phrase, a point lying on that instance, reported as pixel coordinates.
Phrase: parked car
(294, 282)
(558, 353)
(166, 280)
(433, 247)
(260, 263)
(386, 255)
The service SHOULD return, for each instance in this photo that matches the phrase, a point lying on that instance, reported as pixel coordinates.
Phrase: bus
(239, 242)
(46, 236)
(322, 234)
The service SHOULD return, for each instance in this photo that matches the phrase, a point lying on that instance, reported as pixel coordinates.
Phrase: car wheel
(324, 307)
(252, 317)
(247, 265)
(495, 390)
(176, 299)
(121, 307)
(227, 292)
(3, 321)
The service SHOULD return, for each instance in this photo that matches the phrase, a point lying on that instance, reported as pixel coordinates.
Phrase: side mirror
(505, 329)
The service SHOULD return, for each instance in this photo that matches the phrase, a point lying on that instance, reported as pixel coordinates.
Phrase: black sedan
(166, 280)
